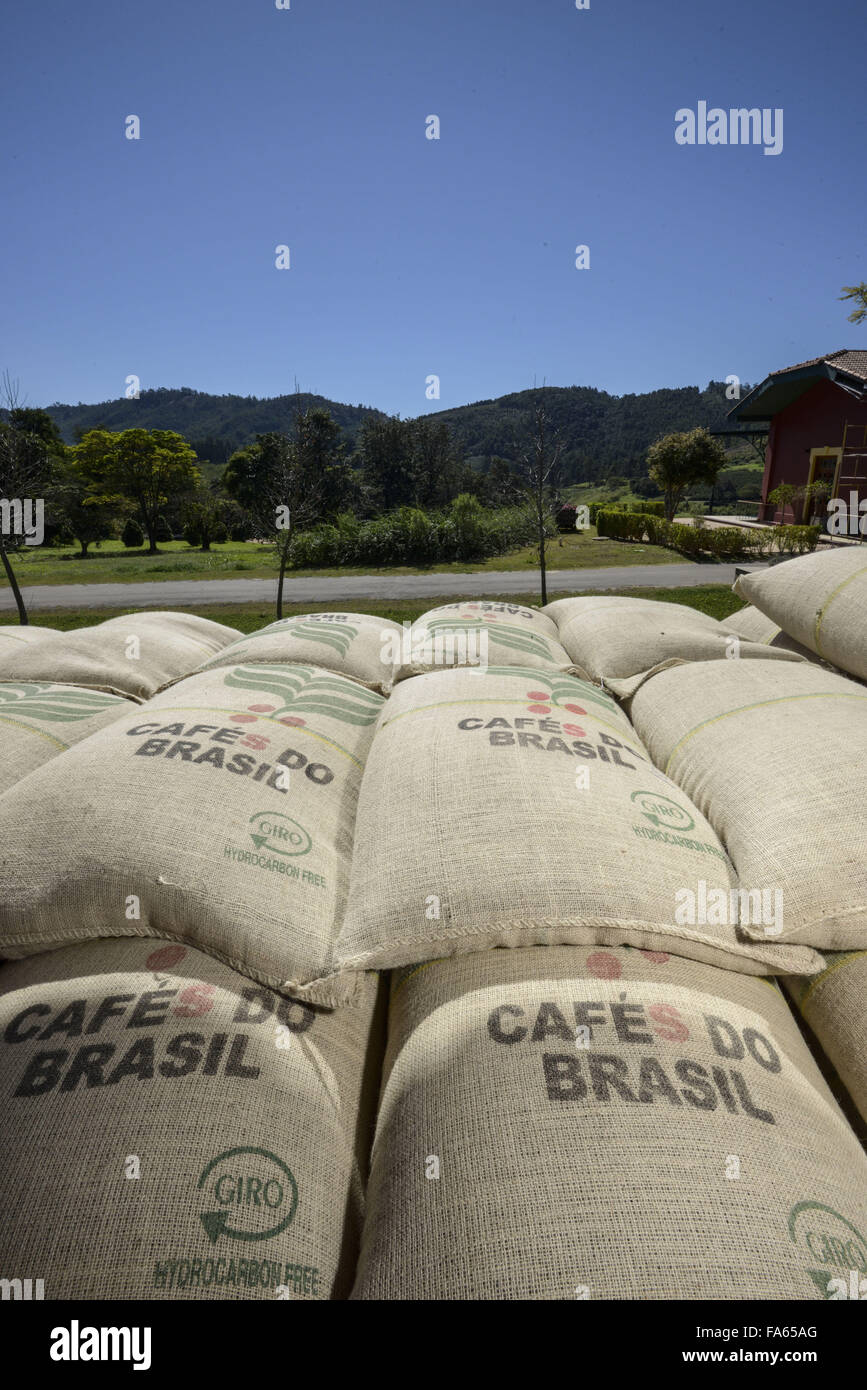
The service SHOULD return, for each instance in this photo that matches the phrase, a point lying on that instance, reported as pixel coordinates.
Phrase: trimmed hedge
(722, 542)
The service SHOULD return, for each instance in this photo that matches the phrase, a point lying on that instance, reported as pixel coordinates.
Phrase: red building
(815, 415)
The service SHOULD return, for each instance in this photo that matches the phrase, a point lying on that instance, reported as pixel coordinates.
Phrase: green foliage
(162, 529)
(147, 466)
(649, 508)
(409, 536)
(787, 495)
(858, 293)
(698, 542)
(204, 521)
(600, 432)
(677, 461)
(797, 539)
(85, 512)
(132, 535)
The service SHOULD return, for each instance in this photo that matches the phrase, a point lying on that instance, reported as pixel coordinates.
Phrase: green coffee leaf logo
(503, 635)
(250, 1193)
(337, 636)
(58, 705)
(306, 690)
(662, 811)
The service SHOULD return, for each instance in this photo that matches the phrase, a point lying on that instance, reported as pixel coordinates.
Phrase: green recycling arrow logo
(279, 834)
(252, 1185)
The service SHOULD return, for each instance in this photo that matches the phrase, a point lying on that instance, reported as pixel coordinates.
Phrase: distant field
(714, 599)
(112, 564)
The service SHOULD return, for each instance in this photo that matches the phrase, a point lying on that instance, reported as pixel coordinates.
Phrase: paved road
(189, 593)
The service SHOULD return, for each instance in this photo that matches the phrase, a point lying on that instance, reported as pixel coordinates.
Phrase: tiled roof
(847, 360)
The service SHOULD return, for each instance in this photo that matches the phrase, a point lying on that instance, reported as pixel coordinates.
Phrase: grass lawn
(112, 564)
(714, 599)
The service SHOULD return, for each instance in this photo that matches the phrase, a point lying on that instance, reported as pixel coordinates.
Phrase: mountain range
(601, 434)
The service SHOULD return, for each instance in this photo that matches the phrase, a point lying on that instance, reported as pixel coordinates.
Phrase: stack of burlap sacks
(181, 1120)
(577, 864)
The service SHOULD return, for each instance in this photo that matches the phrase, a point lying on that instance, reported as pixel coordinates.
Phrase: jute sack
(173, 1131)
(512, 808)
(14, 637)
(356, 645)
(755, 626)
(612, 1124)
(621, 641)
(131, 655)
(516, 614)
(820, 600)
(221, 816)
(38, 721)
(776, 757)
(835, 1006)
(464, 635)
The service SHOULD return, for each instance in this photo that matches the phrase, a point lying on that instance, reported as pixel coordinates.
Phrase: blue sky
(412, 257)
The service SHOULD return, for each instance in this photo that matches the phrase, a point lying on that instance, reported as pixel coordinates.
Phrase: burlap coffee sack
(14, 638)
(356, 645)
(754, 626)
(776, 757)
(38, 721)
(620, 642)
(133, 655)
(465, 635)
(513, 808)
(820, 600)
(835, 1006)
(516, 614)
(174, 1131)
(220, 815)
(578, 1123)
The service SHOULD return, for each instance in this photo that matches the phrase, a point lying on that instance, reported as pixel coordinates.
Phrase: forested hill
(215, 425)
(600, 433)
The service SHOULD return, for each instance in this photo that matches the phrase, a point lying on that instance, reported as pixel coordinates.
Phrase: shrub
(648, 508)
(565, 517)
(132, 535)
(162, 530)
(410, 536)
(797, 539)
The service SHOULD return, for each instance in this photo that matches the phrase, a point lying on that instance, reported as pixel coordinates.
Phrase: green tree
(287, 484)
(91, 516)
(30, 420)
(677, 461)
(148, 466)
(204, 521)
(859, 294)
(437, 463)
(787, 495)
(385, 446)
(132, 535)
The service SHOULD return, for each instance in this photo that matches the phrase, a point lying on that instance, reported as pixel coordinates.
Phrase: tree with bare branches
(538, 479)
